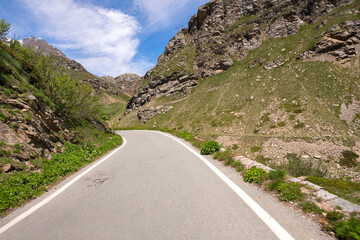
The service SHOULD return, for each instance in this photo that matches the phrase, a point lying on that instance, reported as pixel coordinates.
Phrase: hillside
(268, 79)
(113, 97)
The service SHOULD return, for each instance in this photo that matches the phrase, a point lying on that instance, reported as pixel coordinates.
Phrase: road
(154, 187)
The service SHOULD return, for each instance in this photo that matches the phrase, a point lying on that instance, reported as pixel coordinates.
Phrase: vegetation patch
(349, 159)
(255, 175)
(311, 207)
(17, 187)
(186, 135)
(290, 192)
(297, 167)
(342, 188)
(255, 149)
(348, 229)
(209, 147)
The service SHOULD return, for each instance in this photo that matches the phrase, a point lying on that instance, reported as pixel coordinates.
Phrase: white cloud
(161, 14)
(105, 38)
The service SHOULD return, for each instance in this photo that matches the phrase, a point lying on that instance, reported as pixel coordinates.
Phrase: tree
(4, 28)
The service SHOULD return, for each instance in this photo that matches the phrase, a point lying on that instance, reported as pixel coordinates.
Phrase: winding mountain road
(156, 187)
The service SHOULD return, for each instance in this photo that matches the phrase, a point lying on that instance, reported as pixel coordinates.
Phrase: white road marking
(274, 226)
(55, 194)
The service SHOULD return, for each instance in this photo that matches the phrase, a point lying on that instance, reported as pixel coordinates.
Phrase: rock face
(32, 126)
(224, 31)
(146, 114)
(128, 83)
(163, 86)
(338, 43)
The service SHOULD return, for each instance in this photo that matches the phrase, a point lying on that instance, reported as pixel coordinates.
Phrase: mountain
(268, 78)
(129, 83)
(41, 46)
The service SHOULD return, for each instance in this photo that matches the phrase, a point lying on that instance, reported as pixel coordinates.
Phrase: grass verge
(18, 187)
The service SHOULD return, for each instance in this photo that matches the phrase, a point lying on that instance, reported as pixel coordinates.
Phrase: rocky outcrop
(224, 31)
(337, 43)
(41, 46)
(128, 83)
(100, 84)
(163, 86)
(30, 125)
(146, 114)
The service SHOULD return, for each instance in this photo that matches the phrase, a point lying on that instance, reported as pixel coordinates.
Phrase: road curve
(153, 188)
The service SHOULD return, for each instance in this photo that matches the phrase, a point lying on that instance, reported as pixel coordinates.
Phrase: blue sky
(108, 37)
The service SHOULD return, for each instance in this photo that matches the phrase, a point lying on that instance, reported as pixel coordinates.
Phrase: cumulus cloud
(105, 40)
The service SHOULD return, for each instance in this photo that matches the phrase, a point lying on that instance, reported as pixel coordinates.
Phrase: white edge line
(59, 191)
(277, 229)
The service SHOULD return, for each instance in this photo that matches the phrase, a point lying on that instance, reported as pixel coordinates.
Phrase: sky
(108, 37)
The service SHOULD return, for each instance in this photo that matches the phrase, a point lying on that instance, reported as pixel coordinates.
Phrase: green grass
(342, 188)
(18, 187)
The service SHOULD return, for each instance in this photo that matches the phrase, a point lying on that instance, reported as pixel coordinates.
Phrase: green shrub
(238, 165)
(334, 216)
(261, 159)
(209, 147)
(255, 175)
(299, 125)
(235, 146)
(281, 124)
(290, 192)
(348, 229)
(298, 167)
(186, 135)
(255, 149)
(277, 177)
(311, 207)
(349, 159)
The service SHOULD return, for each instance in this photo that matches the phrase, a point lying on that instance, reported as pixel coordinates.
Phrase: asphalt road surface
(156, 187)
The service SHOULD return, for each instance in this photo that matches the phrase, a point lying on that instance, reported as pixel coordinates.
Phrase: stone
(274, 64)
(7, 168)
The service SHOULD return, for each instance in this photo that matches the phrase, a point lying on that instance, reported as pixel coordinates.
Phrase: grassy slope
(301, 99)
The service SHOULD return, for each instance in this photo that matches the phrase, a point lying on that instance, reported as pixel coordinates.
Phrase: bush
(255, 149)
(290, 192)
(277, 177)
(311, 207)
(223, 156)
(349, 159)
(209, 147)
(348, 229)
(334, 216)
(255, 175)
(298, 167)
(186, 135)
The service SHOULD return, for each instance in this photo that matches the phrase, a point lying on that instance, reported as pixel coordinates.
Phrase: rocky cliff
(223, 32)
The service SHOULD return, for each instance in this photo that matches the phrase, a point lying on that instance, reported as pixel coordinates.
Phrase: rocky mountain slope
(129, 83)
(268, 78)
(29, 128)
(71, 66)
